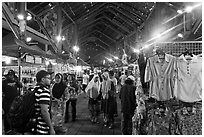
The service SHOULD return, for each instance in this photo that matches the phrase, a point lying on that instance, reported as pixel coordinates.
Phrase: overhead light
(110, 60)
(104, 61)
(180, 35)
(146, 46)
(63, 52)
(58, 38)
(7, 60)
(116, 57)
(50, 4)
(28, 39)
(179, 11)
(20, 17)
(158, 36)
(29, 16)
(75, 48)
(189, 9)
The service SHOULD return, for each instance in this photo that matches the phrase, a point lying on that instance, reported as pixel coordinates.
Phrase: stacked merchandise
(174, 102)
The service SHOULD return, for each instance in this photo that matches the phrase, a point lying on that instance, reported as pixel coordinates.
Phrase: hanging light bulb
(189, 9)
(20, 17)
(28, 39)
(29, 17)
(58, 38)
(180, 35)
(179, 11)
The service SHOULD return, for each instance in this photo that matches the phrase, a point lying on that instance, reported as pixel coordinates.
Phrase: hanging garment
(188, 85)
(158, 124)
(139, 118)
(190, 124)
(161, 76)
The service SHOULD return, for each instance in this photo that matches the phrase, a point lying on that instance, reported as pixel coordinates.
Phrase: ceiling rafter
(83, 43)
(128, 15)
(45, 11)
(94, 38)
(99, 21)
(116, 22)
(76, 5)
(37, 5)
(68, 15)
(100, 7)
(98, 31)
(125, 20)
(137, 10)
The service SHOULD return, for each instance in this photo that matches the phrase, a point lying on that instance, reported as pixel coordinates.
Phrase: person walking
(59, 98)
(93, 92)
(108, 92)
(128, 105)
(72, 98)
(42, 106)
(114, 80)
(10, 91)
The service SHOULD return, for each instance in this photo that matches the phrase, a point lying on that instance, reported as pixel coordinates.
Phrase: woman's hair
(59, 75)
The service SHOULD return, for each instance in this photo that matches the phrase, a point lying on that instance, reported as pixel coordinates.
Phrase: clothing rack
(177, 48)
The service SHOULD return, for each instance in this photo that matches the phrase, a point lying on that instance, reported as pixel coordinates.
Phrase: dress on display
(161, 76)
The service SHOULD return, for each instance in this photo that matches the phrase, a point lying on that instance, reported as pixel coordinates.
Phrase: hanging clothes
(188, 85)
(161, 76)
(138, 120)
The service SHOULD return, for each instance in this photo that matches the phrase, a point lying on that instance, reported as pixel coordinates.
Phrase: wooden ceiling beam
(125, 20)
(125, 14)
(91, 13)
(87, 26)
(91, 32)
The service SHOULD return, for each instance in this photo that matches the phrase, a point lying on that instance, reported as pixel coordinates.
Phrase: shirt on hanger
(188, 85)
(161, 76)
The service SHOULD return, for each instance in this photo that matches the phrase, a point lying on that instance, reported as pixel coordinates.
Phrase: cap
(42, 73)
(11, 72)
(131, 77)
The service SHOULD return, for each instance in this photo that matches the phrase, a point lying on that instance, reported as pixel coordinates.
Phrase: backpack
(22, 112)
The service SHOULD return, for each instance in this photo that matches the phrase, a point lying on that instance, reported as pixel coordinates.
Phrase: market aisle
(83, 126)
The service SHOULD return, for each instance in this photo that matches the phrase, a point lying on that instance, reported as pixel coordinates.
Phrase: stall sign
(38, 60)
(29, 59)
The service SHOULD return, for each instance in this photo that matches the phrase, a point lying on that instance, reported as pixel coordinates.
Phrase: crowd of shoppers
(53, 98)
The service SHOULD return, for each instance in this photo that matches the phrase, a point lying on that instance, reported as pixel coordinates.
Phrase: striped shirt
(42, 97)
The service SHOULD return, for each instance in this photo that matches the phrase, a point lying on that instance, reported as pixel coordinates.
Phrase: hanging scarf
(106, 85)
(58, 88)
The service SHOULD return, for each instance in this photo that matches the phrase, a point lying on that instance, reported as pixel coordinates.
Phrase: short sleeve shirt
(42, 97)
(188, 86)
(161, 76)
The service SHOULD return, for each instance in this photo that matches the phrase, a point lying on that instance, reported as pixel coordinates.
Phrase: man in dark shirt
(128, 104)
(10, 91)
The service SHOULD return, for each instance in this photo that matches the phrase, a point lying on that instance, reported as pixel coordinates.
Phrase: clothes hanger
(160, 52)
(187, 52)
